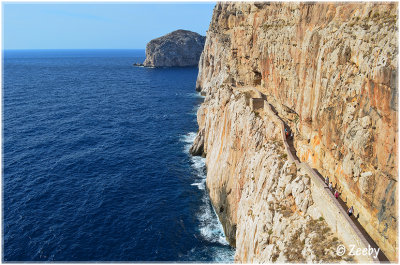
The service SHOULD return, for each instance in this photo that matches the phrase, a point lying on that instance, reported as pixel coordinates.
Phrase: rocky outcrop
(330, 71)
(197, 148)
(178, 48)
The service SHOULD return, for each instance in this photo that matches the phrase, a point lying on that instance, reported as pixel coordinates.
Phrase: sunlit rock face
(178, 48)
(264, 201)
(330, 70)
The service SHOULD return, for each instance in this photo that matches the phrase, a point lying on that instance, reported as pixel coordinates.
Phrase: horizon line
(41, 49)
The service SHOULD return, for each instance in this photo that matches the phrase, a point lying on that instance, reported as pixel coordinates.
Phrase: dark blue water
(95, 162)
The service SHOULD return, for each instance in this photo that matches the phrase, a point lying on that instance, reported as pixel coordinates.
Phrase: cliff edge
(178, 48)
(329, 70)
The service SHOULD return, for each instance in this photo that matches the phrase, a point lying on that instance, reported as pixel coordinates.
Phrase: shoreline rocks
(197, 149)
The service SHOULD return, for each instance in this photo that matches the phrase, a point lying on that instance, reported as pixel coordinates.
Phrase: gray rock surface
(197, 148)
(178, 48)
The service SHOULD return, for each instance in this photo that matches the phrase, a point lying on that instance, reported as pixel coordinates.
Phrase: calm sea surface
(96, 164)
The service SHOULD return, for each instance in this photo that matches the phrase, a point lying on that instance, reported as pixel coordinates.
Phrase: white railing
(348, 232)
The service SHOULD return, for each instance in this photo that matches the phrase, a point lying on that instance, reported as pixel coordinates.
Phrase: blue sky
(98, 25)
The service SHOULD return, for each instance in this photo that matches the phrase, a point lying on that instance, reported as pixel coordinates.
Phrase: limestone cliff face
(330, 70)
(178, 48)
(263, 201)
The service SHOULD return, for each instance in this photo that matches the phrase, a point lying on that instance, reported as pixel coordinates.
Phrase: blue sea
(96, 164)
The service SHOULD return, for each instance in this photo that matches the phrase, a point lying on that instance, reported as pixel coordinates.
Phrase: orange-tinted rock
(330, 70)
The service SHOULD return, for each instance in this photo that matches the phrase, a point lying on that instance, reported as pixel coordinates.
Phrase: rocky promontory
(178, 48)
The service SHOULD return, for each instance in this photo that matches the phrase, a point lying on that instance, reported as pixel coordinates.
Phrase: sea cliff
(329, 71)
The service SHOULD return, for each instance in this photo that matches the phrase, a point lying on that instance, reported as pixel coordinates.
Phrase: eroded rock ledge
(197, 149)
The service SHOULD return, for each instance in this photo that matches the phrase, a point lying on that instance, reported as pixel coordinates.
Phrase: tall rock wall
(263, 200)
(330, 70)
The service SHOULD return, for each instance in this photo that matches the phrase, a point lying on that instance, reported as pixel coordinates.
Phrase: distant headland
(179, 48)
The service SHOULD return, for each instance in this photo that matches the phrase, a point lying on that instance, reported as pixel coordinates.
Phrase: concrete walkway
(341, 206)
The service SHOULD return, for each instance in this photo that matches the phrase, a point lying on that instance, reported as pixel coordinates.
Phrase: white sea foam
(221, 255)
(189, 138)
(195, 95)
(201, 185)
(198, 162)
(195, 110)
(210, 227)
(199, 165)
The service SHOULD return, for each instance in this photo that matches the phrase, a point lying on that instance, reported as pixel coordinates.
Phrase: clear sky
(98, 25)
